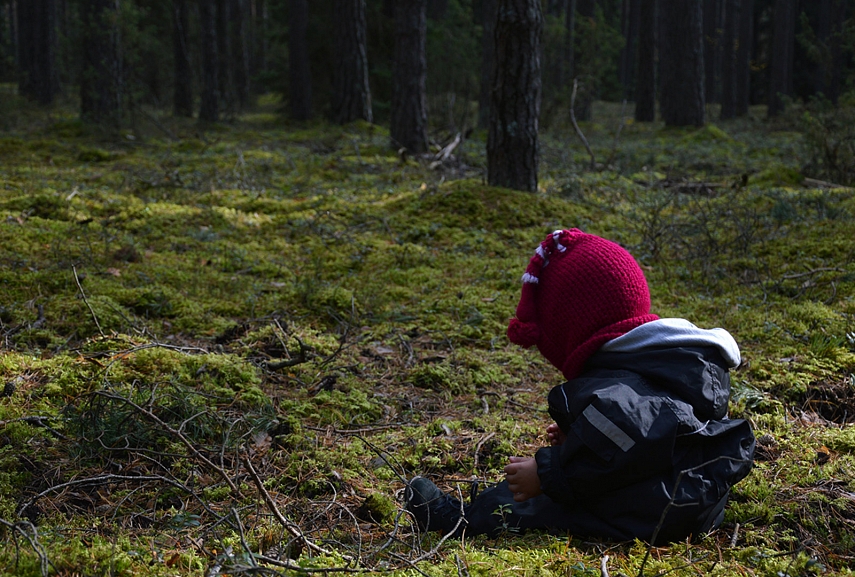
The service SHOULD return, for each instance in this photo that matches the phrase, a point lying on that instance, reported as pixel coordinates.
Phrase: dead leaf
(114, 271)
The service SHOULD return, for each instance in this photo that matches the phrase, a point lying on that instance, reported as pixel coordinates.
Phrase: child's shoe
(433, 509)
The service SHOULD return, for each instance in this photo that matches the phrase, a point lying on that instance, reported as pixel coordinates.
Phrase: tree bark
(101, 81)
(436, 9)
(225, 57)
(300, 75)
(781, 55)
(743, 58)
(822, 28)
(488, 57)
(645, 87)
(351, 92)
(209, 110)
(729, 49)
(512, 145)
(38, 78)
(681, 63)
(630, 60)
(409, 76)
(569, 64)
(712, 45)
(838, 18)
(587, 9)
(183, 96)
(241, 48)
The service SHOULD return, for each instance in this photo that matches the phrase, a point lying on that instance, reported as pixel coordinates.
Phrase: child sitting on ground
(641, 446)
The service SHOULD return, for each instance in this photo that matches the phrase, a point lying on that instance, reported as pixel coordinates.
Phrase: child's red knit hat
(591, 292)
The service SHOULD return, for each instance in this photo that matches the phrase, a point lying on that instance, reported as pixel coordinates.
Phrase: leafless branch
(28, 531)
(576, 124)
(288, 525)
(177, 433)
(86, 300)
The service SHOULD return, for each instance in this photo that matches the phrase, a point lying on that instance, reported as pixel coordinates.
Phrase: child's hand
(555, 435)
(522, 478)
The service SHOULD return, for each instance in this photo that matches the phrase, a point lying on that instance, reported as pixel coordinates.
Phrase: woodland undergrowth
(222, 351)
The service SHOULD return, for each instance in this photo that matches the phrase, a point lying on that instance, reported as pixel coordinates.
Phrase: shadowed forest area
(258, 257)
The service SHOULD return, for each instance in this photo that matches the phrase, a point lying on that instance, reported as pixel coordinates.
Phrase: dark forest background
(212, 58)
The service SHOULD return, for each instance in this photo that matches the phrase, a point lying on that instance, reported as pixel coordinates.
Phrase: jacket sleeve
(615, 435)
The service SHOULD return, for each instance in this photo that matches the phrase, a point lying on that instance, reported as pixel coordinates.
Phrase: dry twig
(576, 124)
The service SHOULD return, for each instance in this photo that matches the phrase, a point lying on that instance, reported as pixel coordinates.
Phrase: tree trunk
(822, 28)
(241, 48)
(569, 50)
(712, 44)
(743, 57)
(38, 75)
(225, 58)
(645, 87)
(183, 97)
(101, 80)
(781, 55)
(351, 93)
(209, 110)
(681, 63)
(729, 49)
(838, 18)
(300, 76)
(409, 76)
(436, 9)
(631, 48)
(587, 9)
(488, 57)
(512, 146)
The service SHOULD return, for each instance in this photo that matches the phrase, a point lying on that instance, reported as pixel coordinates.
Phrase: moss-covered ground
(214, 340)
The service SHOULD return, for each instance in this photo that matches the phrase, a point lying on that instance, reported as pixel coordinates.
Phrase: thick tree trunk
(209, 110)
(569, 65)
(101, 81)
(225, 58)
(630, 60)
(587, 10)
(512, 145)
(712, 46)
(351, 93)
(681, 63)
(729, 49)
(781, 55)
(838, 18)
(743, 57)
(645, 86)
(437, 9)
(38, 78)
(183, 97)
(822, 28)
(300, 76)
(488, 56)
(241, 48)
(409, 76)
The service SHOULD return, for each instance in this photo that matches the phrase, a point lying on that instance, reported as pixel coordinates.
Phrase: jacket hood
(676, 333)
(692, 363)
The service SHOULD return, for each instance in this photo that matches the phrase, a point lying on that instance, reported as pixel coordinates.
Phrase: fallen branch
(177, 433)
(292, 528)
(85, 300)
(28, 531)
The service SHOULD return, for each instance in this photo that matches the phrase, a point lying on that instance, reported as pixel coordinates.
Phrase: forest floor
(223, 351)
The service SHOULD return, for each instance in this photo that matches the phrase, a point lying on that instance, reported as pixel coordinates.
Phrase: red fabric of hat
(579, 292)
